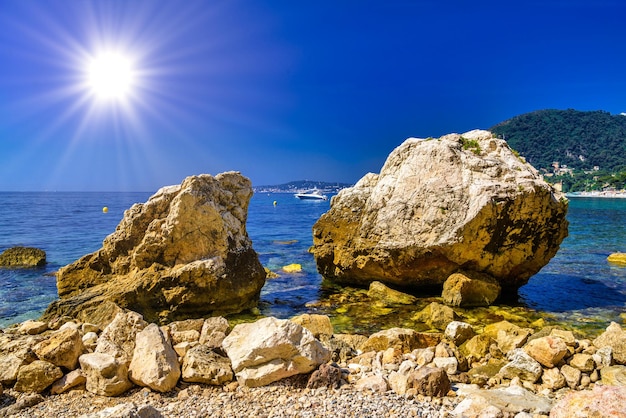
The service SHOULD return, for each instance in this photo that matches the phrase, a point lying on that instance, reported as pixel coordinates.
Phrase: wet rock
(37, 376)
(602, 401)
(480, 375)
(388, 296)
(404, 339)
(23, 257)
(203, 365)
(470, 290)
(548, 351)
(185, 253)
(154, 363)
(271, 349)
(507, 335)
(436, 315)
(105, 375)
(439, 206)
(62, 348)
(476, 347)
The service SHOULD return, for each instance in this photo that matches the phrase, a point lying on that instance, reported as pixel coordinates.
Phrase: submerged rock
(184, 253)
(23, 257)
(460, 202)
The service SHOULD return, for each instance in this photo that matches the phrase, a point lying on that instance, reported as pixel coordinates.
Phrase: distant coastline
(299, 185)
(611, 194)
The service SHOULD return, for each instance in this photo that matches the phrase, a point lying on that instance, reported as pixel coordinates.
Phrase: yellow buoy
(617, 258)
(275, 203)
(105, 209)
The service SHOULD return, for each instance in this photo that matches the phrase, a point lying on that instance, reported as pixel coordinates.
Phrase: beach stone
(271, 349)
(553, 379)
(601, 401)
(319, 325)
(583, 362)
(430, 381)
(510, 400)
(118, 338)
(372, 382)
(615, 337)
(571, 374)
(37, 376)
(73, 380)
(476, 406)
(62, 348)
(458, 332)
(154, 363)
(398, 382)
(327, 375)
(22, 257)
(388, 296)
(508, 336)
(613, 375)
(106, 376)
(405, 339)
(202, 364)
(185, 253)
(439, 206)
(127, 410)
(548, 351)
(523, 366)
(214, 331)
(31, 327)
(436, 315)
(470, 289)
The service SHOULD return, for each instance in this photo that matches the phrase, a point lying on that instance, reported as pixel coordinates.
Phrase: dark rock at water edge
(23, 257)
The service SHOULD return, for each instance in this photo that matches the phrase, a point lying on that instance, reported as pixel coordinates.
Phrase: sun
(110, 76)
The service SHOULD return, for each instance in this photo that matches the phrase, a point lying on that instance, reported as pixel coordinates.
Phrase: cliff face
(460, 202)
(183, 253)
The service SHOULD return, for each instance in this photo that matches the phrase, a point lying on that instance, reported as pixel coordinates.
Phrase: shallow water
(578, 288)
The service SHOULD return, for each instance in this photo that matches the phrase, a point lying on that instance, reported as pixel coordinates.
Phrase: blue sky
(283, 90)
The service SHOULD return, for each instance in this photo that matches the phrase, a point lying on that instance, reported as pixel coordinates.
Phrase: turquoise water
(578, 285)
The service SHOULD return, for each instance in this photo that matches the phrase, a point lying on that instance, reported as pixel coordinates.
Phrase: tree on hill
(580, 140)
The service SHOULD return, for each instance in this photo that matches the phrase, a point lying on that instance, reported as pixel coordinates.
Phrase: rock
(105, 375)
(449, 364)
(154, 363)
(583, 362)
(553, 379)
(603, 357)
(319, 325)
(430, 381)
(127, 410)
(508, 336)
(438, 206)
(405, 339)
(203, 365)
(118, 338)
(9, 366)
(567, 336)
(436, 315)
(90, 340)
(327, 375)
(617, 258)
(470, 290)
(523, 366)
(398, 382)
(373, 382)
(271, 349)
(548, 351)
(62, 348)
(214, 331)
(22, 402)
(615, 338)
(31, 327)
(458, 332)
(292, 268)
(510, 400)
(571, 375)
(37, 376)
(613, 375)
(74, 379)
(480, 375)
(23, 257)
(602, 401)
(185, 253)
(186, 331)
(379, 291)
(477, 347)
(476, 406)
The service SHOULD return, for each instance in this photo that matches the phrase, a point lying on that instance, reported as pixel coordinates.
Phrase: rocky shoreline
(300, 367)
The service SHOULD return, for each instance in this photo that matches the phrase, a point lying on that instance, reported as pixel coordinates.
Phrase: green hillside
(590, 147)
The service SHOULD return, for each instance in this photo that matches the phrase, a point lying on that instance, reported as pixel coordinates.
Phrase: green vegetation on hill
(589, 147)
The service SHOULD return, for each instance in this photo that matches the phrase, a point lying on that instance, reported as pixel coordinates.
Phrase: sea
(577, 287)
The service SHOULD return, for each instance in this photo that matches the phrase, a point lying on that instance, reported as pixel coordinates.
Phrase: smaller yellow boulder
(617, 258)
(292, 268)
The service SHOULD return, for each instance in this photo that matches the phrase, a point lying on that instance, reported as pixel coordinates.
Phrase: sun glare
(110, 76)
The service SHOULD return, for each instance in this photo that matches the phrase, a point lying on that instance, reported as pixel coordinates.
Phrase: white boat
(313, 194)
